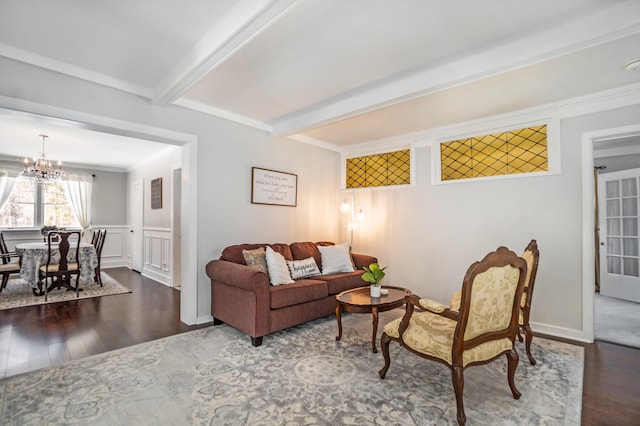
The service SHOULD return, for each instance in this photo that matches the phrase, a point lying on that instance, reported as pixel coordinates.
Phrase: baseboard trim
(561, 332)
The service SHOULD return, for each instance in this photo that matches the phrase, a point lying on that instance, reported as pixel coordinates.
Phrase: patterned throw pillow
(256, 259)
(303, 268)
(278, 270)
(336, 259)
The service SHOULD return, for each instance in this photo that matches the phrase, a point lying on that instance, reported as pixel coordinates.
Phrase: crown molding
(315, 142)
(65, 68)
(221, 113)
(568, 108)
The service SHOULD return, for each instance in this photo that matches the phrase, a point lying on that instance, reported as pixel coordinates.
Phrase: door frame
(136, 211)
(176, 225)
(588, 220)
(189, 144)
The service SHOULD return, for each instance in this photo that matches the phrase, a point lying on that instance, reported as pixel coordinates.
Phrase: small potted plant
(373, 275)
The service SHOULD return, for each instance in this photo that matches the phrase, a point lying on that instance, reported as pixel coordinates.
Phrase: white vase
(375, 290)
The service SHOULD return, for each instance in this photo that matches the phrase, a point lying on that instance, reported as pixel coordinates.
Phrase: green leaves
(373, 274)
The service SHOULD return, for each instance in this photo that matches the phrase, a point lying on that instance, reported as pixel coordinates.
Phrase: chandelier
(41, 169)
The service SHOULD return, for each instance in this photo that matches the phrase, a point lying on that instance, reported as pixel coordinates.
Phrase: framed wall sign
(275, 188)
(156, 193)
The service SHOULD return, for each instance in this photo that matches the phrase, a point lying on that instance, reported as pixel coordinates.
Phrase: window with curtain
(32, 205)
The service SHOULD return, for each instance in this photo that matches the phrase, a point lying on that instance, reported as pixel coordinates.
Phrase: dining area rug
(18, 292)
(299, 376)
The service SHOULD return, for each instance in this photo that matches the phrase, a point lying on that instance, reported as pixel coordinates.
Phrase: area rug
(617, 321)
(18, 293)
(300, 376)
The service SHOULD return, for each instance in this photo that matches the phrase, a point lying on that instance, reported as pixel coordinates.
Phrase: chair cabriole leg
(458, 387)
(528, 335)
(384, 345)
(512, 360)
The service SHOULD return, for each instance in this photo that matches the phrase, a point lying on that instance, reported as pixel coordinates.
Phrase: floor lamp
(347, 207)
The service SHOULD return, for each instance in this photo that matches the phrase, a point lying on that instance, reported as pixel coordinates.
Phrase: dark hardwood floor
(41, 336)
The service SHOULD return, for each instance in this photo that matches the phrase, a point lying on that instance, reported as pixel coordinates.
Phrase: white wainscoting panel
(157, 255)
(114, 251)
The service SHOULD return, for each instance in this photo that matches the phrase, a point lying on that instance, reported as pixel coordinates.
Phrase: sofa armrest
(362, 260)
(237, 275)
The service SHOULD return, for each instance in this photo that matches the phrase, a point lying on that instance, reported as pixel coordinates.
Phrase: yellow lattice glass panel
(455, 159)
(489, 155)
(398, 169)
(376, 170)
(356, 172)
(390, 168)
(512, 152)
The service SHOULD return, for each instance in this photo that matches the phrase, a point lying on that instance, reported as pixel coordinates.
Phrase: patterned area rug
(300, 376)
(18, 293)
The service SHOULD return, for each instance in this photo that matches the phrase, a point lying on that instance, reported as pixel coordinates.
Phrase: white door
(136, 203)
(618, 194)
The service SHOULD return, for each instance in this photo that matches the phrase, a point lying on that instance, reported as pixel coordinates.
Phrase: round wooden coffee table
(359, 300)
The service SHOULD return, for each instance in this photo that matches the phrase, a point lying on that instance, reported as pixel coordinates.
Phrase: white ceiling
(334, 72)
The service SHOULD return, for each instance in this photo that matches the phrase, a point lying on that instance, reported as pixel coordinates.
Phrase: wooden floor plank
(40, 336)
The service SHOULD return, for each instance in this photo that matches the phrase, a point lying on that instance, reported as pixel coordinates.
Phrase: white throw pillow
(278, 270)
(303, 268)
(336, 259)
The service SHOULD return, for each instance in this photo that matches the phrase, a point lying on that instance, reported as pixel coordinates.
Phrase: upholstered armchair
(482, 330)
(531, 255)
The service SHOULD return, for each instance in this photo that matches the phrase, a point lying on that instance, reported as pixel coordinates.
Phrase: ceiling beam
(615, 22)
(242, 23)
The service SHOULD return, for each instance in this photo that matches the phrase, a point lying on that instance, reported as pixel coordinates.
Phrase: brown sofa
(242, 296)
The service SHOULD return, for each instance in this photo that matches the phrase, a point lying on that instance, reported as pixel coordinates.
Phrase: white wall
(426, 234)
(225, 153)
(159, 166)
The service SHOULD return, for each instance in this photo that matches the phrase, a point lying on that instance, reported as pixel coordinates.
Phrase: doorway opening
(616, 308)
(188, 142)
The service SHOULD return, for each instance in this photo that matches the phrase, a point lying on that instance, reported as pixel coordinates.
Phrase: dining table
(34, 255)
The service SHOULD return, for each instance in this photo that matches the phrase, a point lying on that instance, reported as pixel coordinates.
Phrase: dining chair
(58, 266)
(11, 262)
(98, 242)
(482, 330)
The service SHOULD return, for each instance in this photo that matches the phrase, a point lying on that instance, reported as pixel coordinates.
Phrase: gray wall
(109, 198)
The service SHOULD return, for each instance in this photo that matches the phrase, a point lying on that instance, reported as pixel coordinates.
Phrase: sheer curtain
(79, 189)
(8, 179)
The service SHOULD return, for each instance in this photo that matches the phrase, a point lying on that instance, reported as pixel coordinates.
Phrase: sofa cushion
(304, 250)
(277, 266)
(303, 268)
(337, 283)
(299, 292)
(336, 259)
(234, 253)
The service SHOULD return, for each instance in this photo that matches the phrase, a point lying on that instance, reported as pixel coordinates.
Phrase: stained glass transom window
(390, 168)
(504, 153)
